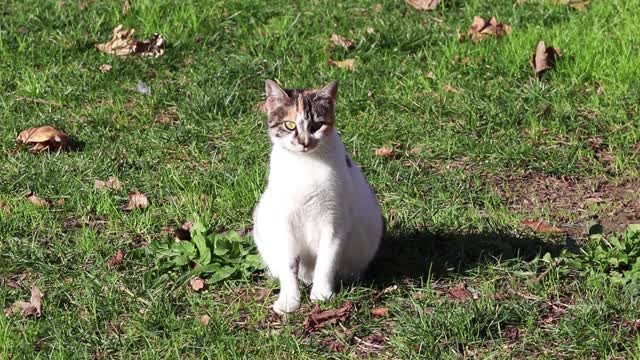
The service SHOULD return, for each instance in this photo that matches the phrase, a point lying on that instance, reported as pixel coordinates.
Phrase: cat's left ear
(330, 91)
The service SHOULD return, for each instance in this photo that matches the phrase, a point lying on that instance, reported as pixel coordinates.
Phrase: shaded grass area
(198, 133)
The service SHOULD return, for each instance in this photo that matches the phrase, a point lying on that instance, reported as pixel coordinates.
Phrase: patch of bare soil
(572, 202)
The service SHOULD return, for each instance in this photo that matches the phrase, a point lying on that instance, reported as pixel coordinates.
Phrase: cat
(318, 219)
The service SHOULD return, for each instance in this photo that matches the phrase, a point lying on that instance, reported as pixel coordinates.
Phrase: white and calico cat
(318, 220)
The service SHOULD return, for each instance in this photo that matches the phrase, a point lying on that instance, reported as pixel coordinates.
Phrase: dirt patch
(572, 202)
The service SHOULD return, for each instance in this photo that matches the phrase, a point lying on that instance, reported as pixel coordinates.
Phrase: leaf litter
(122, 43)
(544, 58)
(347, 64)
(481, 29)
(116, 260)
(342, 41)
(112, 183)
(319, 318)
(137, 200)
(33, 307)
(44, 138)
(423, 4)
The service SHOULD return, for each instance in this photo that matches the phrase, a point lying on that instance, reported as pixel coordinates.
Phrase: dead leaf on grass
(460, 292)
(43, 138)
(511, 333)
(541, 226)
(579, 5)
(204, 320)
(347, 64)
(34, 199)
(116, 260)
(123, 44)
(385, 152)
(450, 89)
(371, 30)
(136, 200)
(481, 28)
(379, 312)
(338, 40)
(423, 4)
(334, 345)
(105, 68)
(544, 58)
(33, 307)
(378, 8)
(168, 116)
(112, 183)
(319, 318)
(197, 283)
(126, 6)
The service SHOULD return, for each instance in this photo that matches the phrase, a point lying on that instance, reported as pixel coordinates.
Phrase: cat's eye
(289, 125)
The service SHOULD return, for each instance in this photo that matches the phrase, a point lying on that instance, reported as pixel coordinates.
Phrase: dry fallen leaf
(371, 30)
(347, 64)
(338, 40)
(105, 68)
(168, 116)
(204, 320)
(544, 58)
(580, 5)
(378, 8)
(480, 28)
(34, 306)
(450, 89)
(136, 200)
(197, 283)
(44, 138)
(540, 226)
(459, 292)
(379, 312)
(116, 260)
(423, 4)
(385, 152)
(31, 196)
(126, 6)
(319, 318)
(123, 44)
(112, 183)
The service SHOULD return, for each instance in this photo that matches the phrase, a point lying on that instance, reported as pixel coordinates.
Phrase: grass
(449, 221)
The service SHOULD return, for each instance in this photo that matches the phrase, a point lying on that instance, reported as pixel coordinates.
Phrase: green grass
(448, 215)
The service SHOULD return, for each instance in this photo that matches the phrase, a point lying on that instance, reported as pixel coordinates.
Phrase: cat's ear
(330, 91)
(274, 90)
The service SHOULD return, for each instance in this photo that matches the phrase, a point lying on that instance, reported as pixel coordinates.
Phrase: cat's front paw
(321, 294)
(285, 305)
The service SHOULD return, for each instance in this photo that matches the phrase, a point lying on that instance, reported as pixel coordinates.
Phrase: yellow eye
(290, 125)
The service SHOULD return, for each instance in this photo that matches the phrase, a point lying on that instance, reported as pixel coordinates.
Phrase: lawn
(487, 169)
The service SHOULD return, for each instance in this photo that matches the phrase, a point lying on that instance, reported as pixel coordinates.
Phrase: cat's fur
(318, 220)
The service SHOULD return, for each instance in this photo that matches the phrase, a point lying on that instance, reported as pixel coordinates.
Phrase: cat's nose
(303, 140)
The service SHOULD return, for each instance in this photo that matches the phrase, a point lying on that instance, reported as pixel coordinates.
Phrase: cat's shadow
(422, 254)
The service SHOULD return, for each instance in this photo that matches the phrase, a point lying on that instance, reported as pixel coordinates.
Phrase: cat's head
(299, 120)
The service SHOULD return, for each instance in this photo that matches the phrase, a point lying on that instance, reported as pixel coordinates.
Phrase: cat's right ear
(275, 94)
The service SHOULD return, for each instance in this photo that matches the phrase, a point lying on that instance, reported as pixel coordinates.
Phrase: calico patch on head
(299, 119)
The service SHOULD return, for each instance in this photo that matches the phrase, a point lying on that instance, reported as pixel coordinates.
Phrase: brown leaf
(423, 4)
(379, 312)
(480, 29)
(378, 8)
(136, 200)
(105, 68)
(204, 319)
(450, 89)
(347, 64)
(112, 183)
(511, 333)
(197, 283)
(371, 30)
(334, 345)
(116, 260)
(319, 319)
(33, 307)
(579, 5)
(168, 116)
(385, 152)
(44, 138)
(459, 292)
(123, 44)
(540, 226)
(338, 40)
(31, 196)
(544, 58)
